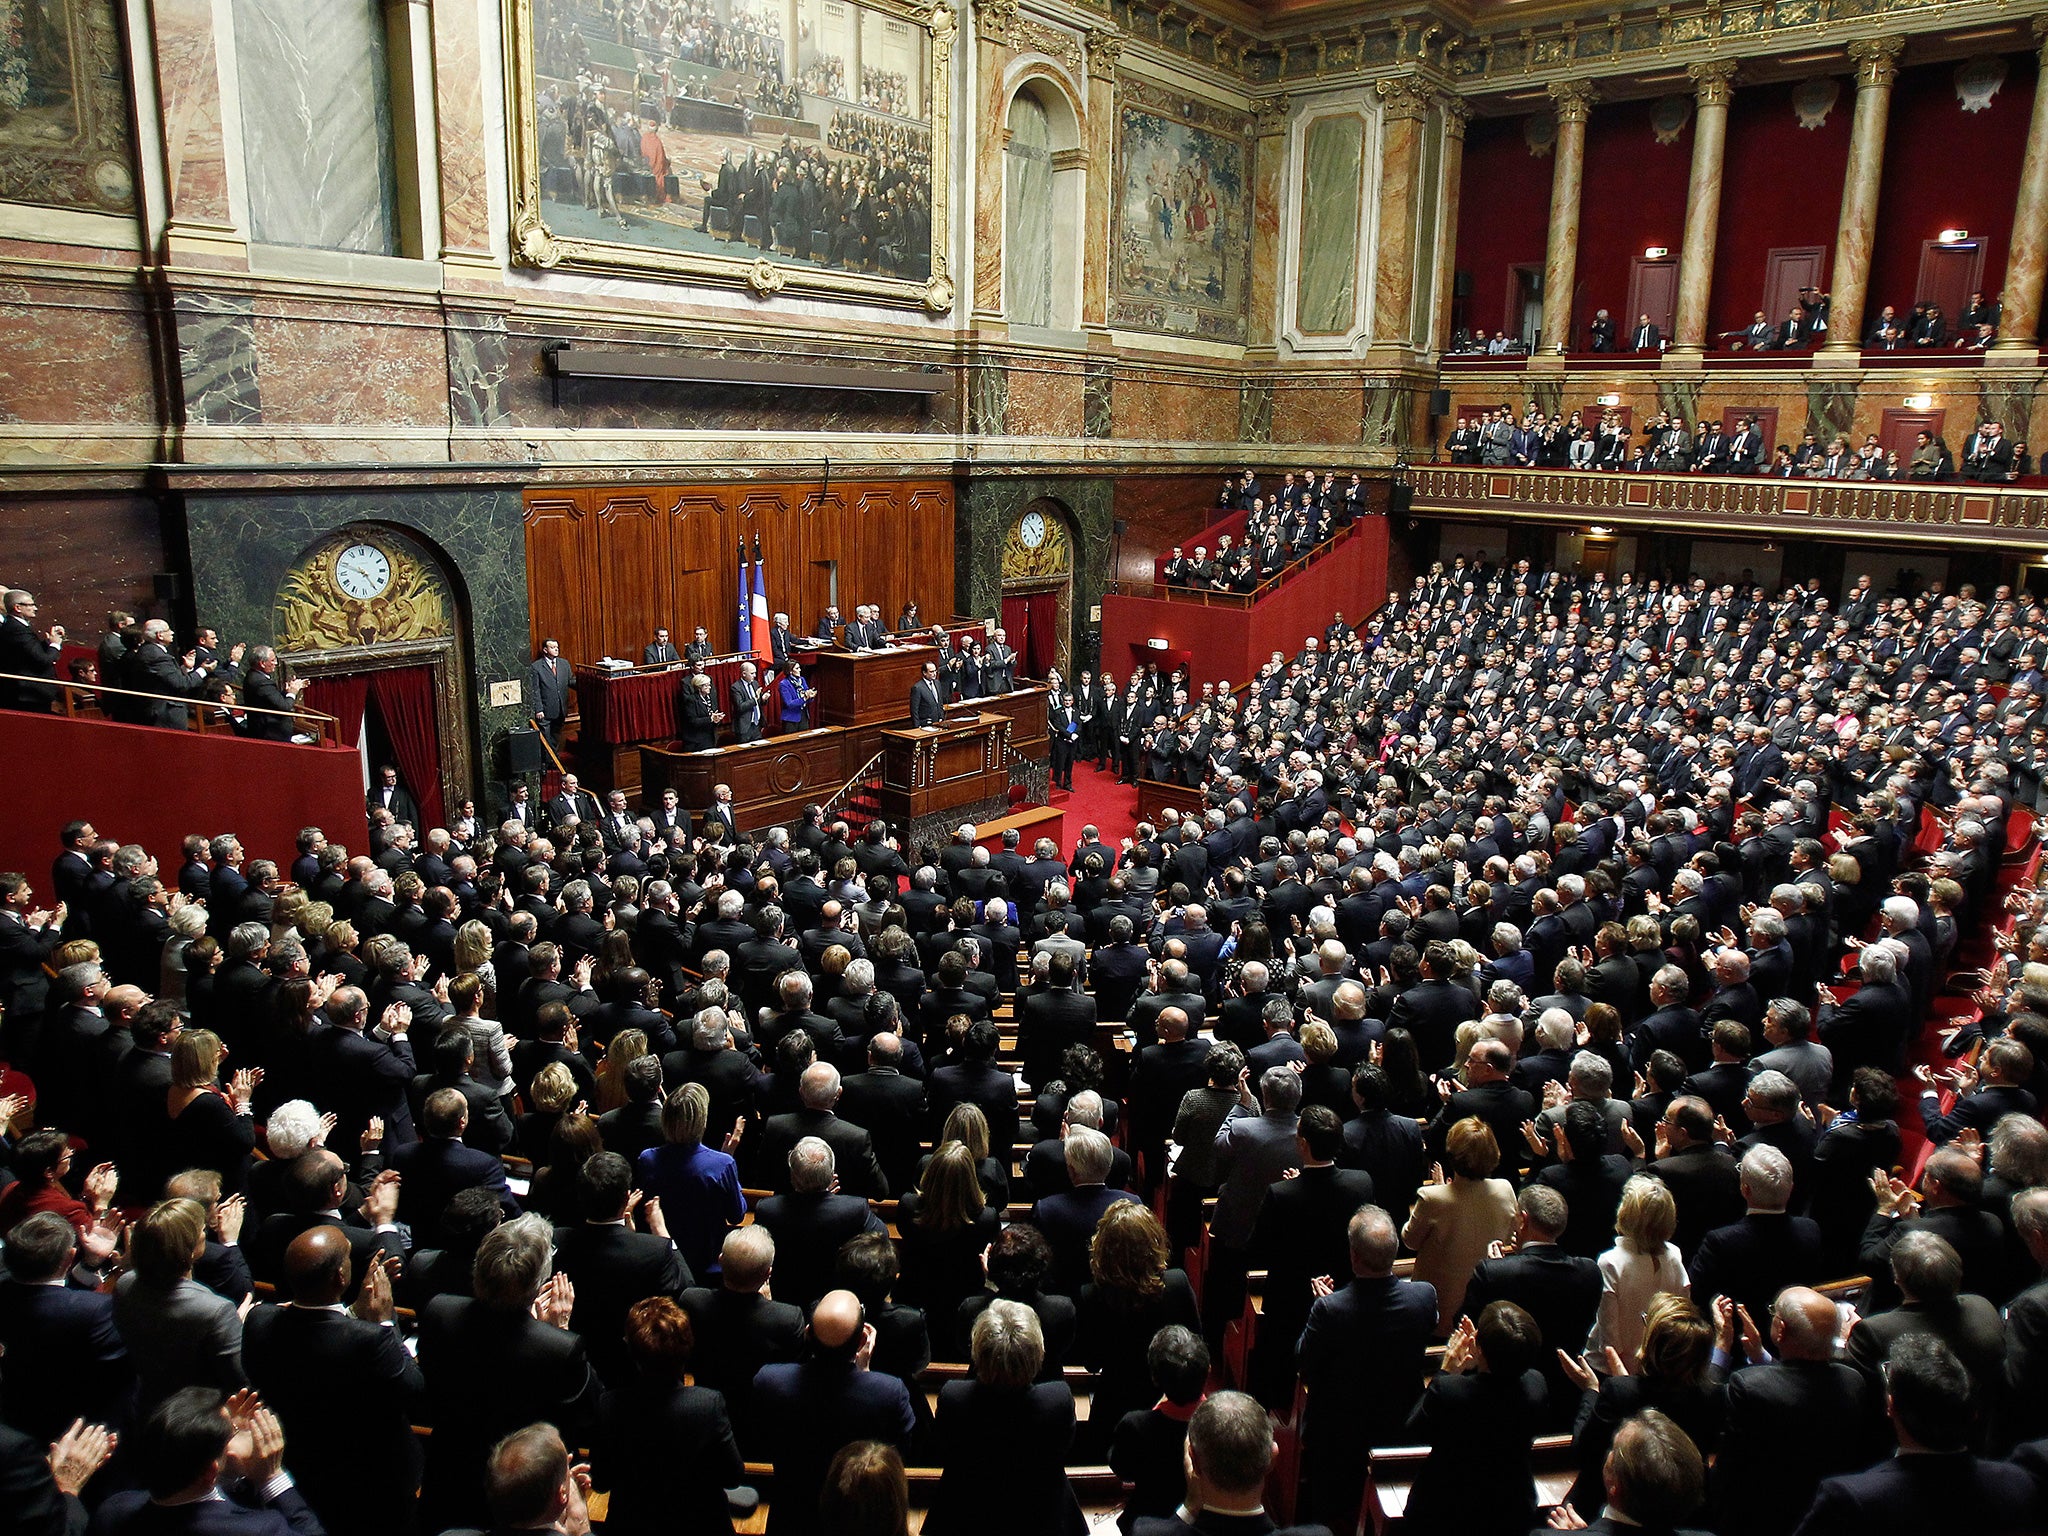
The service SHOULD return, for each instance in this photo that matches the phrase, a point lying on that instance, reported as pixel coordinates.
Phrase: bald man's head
(1804, 1324)
(316, 1266)
(1172, 1024)
(837, 1322)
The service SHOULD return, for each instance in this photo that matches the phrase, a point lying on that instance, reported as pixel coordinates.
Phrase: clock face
(362, 571)
(1032, 529)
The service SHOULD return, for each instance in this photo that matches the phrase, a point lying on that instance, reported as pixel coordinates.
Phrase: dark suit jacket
(28, 1492)
(852, 1148)
(612, 1268)
(488, 1373)
(1068, 1223)
(65, 1360)
(666, 1453)
(1708, 1188)
(890, 1107)
(983, 1084)
(345, 1392)
(810, 1409)
(1018, 1440)
(738, 1333)
(1432, 1012)
(1755, 1258)
(435, 1171)
(1560, 1290)
(1479, 1428)
(1790, 1424)
(266, 1251)
(1910, 1495)
(808, 1230)
(130, 1513)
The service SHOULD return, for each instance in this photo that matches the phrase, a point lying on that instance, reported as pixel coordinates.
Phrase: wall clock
(362, 571)
(1032, 529)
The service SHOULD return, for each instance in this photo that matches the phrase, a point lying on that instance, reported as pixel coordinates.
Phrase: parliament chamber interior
(1026, 767)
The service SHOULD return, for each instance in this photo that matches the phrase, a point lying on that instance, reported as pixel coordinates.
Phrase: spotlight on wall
(1953, 236)
(1656, 252)
(1155, 644)
(1919, 402)
(1597, 532)
(1610, 399)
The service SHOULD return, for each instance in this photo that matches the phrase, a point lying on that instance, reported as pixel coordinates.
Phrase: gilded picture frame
(738, 150)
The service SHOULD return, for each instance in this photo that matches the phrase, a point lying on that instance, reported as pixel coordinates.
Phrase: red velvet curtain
(344, 698)
(405, 699)
(1017, 628)
(1044, 622)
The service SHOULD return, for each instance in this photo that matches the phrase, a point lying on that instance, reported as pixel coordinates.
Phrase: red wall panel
(142, 785)
(1945, 168)
(1782, 187)
(1634, 197)
(1503, 216)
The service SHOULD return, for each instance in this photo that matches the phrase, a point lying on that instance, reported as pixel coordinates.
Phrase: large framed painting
(785, 145)
(1182, 217)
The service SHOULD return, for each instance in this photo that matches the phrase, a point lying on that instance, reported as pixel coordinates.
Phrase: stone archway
(1038, 559)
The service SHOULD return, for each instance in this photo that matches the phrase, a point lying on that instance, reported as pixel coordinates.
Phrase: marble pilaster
(1404, 113)
(1456, 115)
(465, 234)
(1877, 66)
(1574, 104)
(1269, 177)
(1713, 88)
(995, 23)
(1104, 48)
(2019, 321)
(199, 227)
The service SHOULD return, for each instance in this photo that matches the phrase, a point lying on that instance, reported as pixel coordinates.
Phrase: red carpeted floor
(1099, 800)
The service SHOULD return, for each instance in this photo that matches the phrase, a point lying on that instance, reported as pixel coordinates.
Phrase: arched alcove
(1044, 184)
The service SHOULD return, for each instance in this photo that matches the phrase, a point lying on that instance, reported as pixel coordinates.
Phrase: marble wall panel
(188, 87)
(1097, 398)
(73, 356)
(1317, 411)
(1044, 401)
(459, 125)
(319, 367)
(1152, 409)
(1332, 194)
(217, 359)
(478, 364)
(316, 124)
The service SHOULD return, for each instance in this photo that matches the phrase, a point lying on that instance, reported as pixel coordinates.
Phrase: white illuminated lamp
(1656, 252)
(1155, 645)
(1597, 532)
(1919, 402)
(1610, 399)
(1953, 236)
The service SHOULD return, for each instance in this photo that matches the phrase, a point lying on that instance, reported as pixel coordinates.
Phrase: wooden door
(1525, 303)
(1596, 556)
(1900, 430)
(1949, 274)
(1787, 269)
(1652, 291)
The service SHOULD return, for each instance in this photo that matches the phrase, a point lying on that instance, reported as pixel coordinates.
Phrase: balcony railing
(1975, 512)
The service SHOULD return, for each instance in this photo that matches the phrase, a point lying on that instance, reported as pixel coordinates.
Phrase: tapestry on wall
(64, 136)
(1182, 234)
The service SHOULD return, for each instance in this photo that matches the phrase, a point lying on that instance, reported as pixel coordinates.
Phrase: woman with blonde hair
(1642, 1265)
(472, 953)
(1456, 1219)
(211, 1127)
(1674, 1373)
(549, 1097)
(1131, 1296)
(187, 924)
(627, 1046)
(967, 1125)
(946, 1226)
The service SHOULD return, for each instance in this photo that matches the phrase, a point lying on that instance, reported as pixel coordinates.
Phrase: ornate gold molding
(1457, 116)
(1104, 49)
(1573, 100)
(1269, 116)
(1403, 98)
(995, 21)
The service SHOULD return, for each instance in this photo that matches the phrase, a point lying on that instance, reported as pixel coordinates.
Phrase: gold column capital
(1456, 114)
(1876, 60)
(995, 21)
(1269, 116)
(1403, 98)
(2039, 26)
(1713, 81)
(1104, 49)
(1573, 99)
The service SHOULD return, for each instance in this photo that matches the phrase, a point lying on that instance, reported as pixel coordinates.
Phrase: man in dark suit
(438, 1167)
(927, 706)
(1487, 1094)
(1055, 1015)
(1950, 1205)
(497, 1363)
(1872, 1026)
(739, 1329)
(1645, 337)
(316, 1186)
(1068, 1218)
(976, 1079)
(660, 652)
(40, 1480)
(1433, 1008)
(387, 794)
(2003, 1068)
(611, 1266)
(65, 1359)
(260, 690)
(1229, 1454)
(746, 703)
(853, 1151)
(1361, 1357)
(207, 1473)
(1045, 1165)
(367, 1073)
(889, 1106)
(1161, 1075)
(1702, 1176)
(26, 654)
(343, 1386)
(1792, 1421)
(1559, 1289)
(808, 1409)
(810, 1222)
(549, 680)
(1301, 1234)
(1754, 1259)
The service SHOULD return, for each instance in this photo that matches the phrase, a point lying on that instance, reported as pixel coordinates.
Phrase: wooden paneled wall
(1162, 511)
(608, 565)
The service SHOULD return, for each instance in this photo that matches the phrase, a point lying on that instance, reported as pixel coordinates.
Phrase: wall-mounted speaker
(169, 585)
(1400, 497)
(1119, 527)
(1461, 285)
(1439, 402)
(523, 752)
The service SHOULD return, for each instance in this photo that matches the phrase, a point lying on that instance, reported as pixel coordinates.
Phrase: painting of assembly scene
(796, 131)
(1183, 217)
